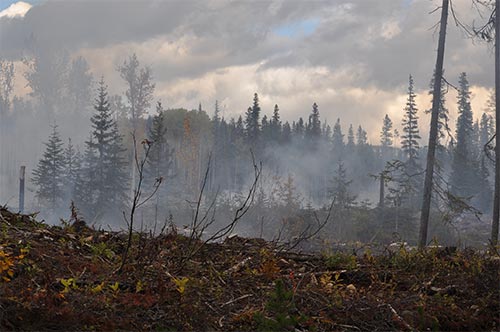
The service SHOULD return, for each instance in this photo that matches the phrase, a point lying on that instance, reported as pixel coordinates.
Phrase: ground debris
(64, 278)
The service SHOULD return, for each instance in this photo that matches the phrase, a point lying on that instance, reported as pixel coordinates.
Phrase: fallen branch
(236, 299)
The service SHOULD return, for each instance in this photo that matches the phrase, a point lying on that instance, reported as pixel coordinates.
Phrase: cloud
(352, 57)
(17, 9)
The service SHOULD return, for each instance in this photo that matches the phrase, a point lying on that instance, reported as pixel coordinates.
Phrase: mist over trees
(88, 155)
(307, 163)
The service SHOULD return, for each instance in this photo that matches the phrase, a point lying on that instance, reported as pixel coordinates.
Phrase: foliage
(281, 310)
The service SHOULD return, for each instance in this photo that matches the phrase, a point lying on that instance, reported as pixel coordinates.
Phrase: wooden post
(22, 172)
(382, 189)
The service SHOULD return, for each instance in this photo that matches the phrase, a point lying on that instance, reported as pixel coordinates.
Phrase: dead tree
(496, 199)
(137, 199)
(431, 152)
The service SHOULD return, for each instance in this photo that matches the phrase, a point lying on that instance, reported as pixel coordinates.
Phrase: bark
(431, 153)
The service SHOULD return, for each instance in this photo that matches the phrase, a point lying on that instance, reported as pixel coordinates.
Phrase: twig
(236, 300)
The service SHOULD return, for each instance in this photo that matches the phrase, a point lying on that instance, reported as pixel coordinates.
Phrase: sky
(351, 57)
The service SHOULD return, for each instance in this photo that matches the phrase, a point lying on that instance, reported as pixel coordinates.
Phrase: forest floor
(67, 278)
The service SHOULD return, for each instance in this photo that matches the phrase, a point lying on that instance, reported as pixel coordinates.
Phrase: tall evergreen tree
(463, 179)
(486, 130)
(339, 189)
(72, 164)
(252, 122)
(110, 175)
(287, 133)
(314, 125)
(48, 176)
(361, 137)
(265, 130)
(350, 138)
(326, 132)
(337, 139)
(411, 134)
(386, 135)
(276, 126)
(443, 118)
(160, 155)
(299, 129)
(85, 181)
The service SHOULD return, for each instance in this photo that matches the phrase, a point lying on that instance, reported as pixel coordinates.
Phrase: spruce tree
(361, 137)
(339, 189)
(299, 129)
(252, 125)
(350, 139)
(337, 139)
(287, 133)
(72, 164)
(48, 176)
(386, 135)
(110, 175)
(160, 154)
(411, 135)
(314, 125)
(443, 117)
(86, 184)
(276, 127)
(485, 130)
(265, 130)
(463, 177)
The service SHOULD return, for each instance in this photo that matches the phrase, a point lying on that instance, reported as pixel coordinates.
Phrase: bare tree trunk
(381, 200)
(431, 152)
(496, 199)
(22, 171)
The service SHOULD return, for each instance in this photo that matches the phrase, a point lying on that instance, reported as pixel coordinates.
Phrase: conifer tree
(443, 117)
(361, 137)
(288, 194)
(486, 130)
(339, 189)
(337, 139)
(265, 130)
(48, 176)
(276, 126)
(314, 125)
(107, 162)
(350, 138)
(85, 182)
(299, 129)
(386, 135)
(72, 164)
(326, 132)
(463, 179)
(160, 154)
(411, 134)
(252, 119)
(287, 133)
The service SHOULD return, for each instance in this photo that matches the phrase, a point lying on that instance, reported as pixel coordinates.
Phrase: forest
(142, 213)
(305, 164)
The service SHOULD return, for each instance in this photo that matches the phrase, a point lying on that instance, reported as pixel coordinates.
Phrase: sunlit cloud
(17, 9)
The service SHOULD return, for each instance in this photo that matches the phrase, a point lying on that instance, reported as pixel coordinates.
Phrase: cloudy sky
(351, 57)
